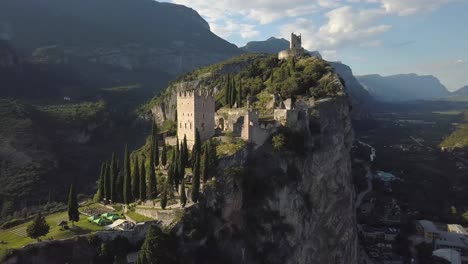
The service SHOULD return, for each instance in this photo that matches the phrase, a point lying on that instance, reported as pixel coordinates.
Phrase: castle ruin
(195, 110)
(295, 48)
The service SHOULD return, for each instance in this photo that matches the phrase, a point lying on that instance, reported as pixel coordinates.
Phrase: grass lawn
(16, 237)
(138, 217)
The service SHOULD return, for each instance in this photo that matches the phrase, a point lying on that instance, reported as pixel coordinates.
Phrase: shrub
(278, 141)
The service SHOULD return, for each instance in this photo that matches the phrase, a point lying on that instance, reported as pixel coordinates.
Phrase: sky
(427, 37)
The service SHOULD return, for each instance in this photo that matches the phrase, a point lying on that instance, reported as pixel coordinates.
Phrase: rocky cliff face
(295, 205)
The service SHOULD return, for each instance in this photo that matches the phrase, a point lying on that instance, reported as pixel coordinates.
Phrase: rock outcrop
(294, 205)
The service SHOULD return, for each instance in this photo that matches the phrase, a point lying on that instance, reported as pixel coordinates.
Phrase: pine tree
(136, 179)
(164, 155)
(151, 193)
(183, 196)
(113, 178)
(73, 214)
(196, 179)
(205, 163)
(127, 183)
(38, 227)
(143, 181)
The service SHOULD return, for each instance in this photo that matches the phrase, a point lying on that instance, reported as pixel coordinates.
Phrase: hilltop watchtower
(195, 110)
(295, 48)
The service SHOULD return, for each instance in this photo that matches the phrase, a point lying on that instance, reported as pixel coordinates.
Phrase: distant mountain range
(462, 91)
(403, 87)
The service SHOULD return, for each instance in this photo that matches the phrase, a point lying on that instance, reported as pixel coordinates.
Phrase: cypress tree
(152, 189)
(127, 183)
(113, 178)
(180, 170)
(119, 184)
(107, 181)
(164, 155)
(227, 95)
(170, 174)
(196, 146)
(136, 179)
(183, 196)
(143, 181)
(164, 195)
(38, 227)
(156, 145)
(196, 179)
(186, 152)
(100, 190)
(240, 95)
(205, 164)
(233, 93)
(73, 214)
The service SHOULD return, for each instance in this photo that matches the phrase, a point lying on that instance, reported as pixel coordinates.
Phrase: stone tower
(295, 48)
(195, 110)
(296, 41)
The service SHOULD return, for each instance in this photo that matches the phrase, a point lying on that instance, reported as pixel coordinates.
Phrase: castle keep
(295, 48)
(195, 110)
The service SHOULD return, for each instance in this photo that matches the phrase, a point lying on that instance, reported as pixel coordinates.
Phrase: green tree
(38, 227)
(183, 195)
(227, 90)
(240, 94)
(73, 214)
(151, 190)
(186, 152)
(155, 142)
(196, 179)
(205, 163)
(143, 182)
(196, 150)
(100, 191)
(136, 179)
(166, 188)
(107, 181)
(157, 248)
(127, 185)
(114, 173)
(164, 155)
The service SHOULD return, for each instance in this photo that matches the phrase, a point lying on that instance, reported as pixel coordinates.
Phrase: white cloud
(411, 7)
(347, 22)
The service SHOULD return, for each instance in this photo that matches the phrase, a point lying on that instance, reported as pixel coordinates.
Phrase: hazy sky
(372, 36)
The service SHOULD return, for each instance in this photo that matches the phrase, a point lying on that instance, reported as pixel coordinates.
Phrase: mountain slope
(403, 87)
(271, 45)
(163, 40)
(461, 92)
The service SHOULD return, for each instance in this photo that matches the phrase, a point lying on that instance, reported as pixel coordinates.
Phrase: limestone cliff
(294, 205)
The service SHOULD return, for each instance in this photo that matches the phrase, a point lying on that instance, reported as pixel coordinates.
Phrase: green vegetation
(38, 227)
(16, 237)
(278, 141)
(224, 149)
(138, 217)
(459, 139)
(73, 214)
(157, 247)
(70, 113)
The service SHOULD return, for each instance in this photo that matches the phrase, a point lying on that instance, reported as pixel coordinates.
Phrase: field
(16, 237)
